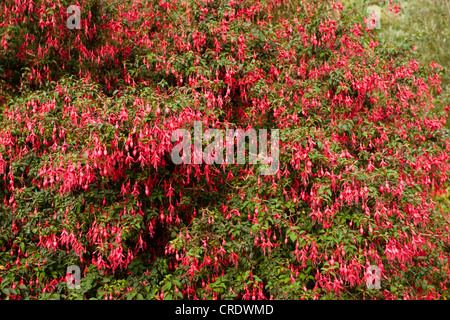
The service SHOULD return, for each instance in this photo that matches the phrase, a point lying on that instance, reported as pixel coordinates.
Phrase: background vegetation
(426, 23)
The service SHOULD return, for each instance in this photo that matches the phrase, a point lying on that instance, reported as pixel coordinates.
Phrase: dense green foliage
(87, 179)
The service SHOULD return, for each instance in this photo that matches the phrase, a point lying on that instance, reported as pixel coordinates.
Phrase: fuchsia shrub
(87, 178)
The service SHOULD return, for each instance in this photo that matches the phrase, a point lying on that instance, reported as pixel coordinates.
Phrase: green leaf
(167, 286)
(293, 236)
(131, 295)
